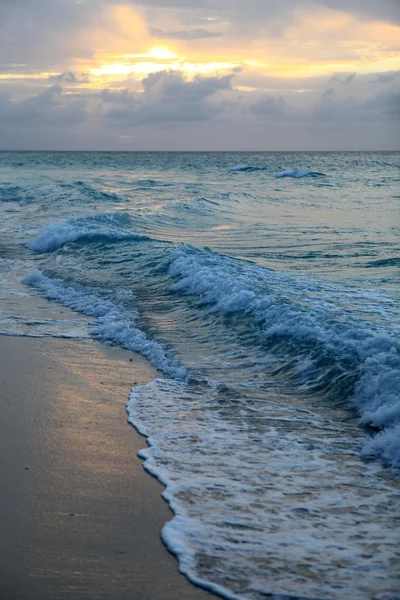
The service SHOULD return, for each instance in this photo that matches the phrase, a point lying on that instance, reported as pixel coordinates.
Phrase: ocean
(264, 288)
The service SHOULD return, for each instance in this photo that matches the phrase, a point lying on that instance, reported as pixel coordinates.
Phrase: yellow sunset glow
(316, 45)
(123, 51)
(161, 53)
(17, 76)
(136, 66)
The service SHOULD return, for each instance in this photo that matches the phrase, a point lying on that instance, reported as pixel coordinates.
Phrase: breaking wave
(316, 345)
(107, 226)
(114, 322)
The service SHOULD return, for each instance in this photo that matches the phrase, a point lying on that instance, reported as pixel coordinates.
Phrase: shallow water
(270, 304)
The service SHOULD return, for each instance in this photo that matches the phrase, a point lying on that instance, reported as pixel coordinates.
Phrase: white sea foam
(113, 322)
(386, 445)
(268, 498)
(115, 226)
(285, 313)
(298, 173)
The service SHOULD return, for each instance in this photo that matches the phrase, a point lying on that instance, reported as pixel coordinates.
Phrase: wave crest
(112, 226)
(299, 173)
(15, 193)
(316, 344)
(113, 322)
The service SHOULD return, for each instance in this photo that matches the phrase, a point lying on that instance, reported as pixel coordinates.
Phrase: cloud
(203, 113)
(269, 106)
(124, 96)
(192, 34)
(344, 78)
(33, 32)
(387, 77)
(70, 77)
(300, 57)
(174, 84)
(329, 108)
(340, 111)
(52, 34)
(168, 97)
(175, 4)
(388, 103)
(257, 10)
(384, 10)
(198, 20)
(50, 107)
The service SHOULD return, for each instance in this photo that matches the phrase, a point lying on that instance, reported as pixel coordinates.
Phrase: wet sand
(79, 518)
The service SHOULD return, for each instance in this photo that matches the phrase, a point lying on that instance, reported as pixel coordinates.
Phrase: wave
(386, 445)
(384, 262)
(91, 192)
(151, 183)
(108, 226)
(197, 206)
(15, 193)
(113, 321)
(316, 344)
(244, 168)
(299, 173)
(306, 338)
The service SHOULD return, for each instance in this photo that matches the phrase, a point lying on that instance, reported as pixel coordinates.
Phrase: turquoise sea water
(270, 306)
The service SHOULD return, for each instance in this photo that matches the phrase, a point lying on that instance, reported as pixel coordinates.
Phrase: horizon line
(196, 151)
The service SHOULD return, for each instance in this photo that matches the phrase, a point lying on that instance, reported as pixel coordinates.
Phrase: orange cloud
(121, 49)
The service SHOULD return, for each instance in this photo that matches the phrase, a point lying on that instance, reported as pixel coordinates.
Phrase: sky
(200, 75)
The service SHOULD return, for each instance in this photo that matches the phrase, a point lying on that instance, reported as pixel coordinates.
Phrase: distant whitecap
(299, 173)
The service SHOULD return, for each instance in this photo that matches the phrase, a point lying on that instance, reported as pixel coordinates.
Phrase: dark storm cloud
(191, 34)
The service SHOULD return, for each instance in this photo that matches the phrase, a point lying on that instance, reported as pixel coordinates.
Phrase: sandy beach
(79, 517)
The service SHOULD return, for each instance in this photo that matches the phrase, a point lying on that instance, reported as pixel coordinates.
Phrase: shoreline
(80, 518)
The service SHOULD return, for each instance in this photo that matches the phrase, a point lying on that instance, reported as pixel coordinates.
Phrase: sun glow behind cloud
(113, 68)
(123, 49)
(317, 43)
(279, 64)
(161, 53)
(136, 67)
